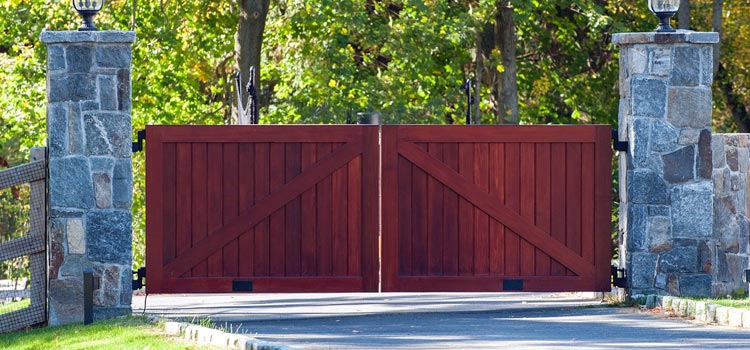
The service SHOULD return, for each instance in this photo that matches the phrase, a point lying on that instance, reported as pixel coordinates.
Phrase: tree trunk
(683, 15)
(740, 111)
(507, 108)
(248, 43)
(477, 116)
(716, 23)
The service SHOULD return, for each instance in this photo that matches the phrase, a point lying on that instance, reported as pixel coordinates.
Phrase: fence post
(90, 177)
(666, 190)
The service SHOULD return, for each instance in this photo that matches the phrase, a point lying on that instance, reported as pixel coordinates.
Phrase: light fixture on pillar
(88, 9)
(664, 9)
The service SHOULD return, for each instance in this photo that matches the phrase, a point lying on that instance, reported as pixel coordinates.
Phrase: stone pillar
(666, 207)
(90, 176)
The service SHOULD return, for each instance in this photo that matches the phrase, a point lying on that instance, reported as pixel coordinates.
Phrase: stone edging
(700, 311)
(210, 336)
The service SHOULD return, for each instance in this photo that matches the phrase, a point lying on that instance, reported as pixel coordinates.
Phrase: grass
(738, 303)
(120, 333)
(14, 306)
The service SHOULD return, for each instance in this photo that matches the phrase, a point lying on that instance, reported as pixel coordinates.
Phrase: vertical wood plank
(200, 199)
(404, 217)
(528, 196)
(246, 200)
(371, 214)
(573, 198)
(450, 216)
(231, 207)
(215, 203)
(278, 219)
(293, 239)
(419, 244)
(587, 202)
(324, 217)
(557, 197)
(392, 261)
(170, 202)
(309, 216)
(481, 219)
(435, 216)
(339, 242)
(183, 239)
(542, 203)
(603, 207)
(497, 190)
(466, 213)
(354, 217)
(513, 202)
(262, 230)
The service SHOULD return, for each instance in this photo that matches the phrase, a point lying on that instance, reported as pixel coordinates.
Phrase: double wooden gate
(330, 208)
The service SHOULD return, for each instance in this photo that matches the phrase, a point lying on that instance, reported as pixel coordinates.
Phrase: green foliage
(14, 306)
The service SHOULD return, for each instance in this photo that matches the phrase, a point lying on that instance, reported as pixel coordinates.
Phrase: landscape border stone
(700, 311)
(210, 336)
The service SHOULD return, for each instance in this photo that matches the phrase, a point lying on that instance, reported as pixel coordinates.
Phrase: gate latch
(138, 146)
(618, 145)
(139, 275)
(619, 277)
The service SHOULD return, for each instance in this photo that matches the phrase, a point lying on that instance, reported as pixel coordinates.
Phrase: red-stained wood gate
(296, 208)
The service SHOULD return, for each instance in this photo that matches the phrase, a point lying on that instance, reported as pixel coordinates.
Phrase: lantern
(88, 9)
(664, 9)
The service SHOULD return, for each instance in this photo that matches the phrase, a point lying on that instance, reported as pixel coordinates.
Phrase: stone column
(90, 176)
(666, 208)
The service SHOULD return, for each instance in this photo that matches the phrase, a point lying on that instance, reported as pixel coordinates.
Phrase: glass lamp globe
(664, 9)
(88, 9)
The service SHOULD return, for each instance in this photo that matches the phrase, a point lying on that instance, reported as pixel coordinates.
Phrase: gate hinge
(139, 275)
(618, 145)
(138, 146)
(619, 277)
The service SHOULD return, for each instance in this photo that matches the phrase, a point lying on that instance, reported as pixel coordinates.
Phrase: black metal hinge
(618, 145)
(138, 146)
(619, 277)
(139, 275)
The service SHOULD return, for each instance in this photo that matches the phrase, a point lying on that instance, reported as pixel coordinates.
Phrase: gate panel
(496, 208)
(280, 206)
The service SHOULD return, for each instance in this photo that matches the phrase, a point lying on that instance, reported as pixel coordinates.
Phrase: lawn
(16, 305)
(738, 303)
(119, 333)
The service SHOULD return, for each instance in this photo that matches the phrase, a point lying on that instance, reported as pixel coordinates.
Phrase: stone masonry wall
(666, 213)
(90, 176)
(731, 163)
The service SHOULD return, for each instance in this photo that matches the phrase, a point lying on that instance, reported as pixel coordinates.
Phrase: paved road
(446, 321)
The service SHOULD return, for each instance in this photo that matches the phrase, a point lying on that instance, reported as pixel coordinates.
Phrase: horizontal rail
(22, 174)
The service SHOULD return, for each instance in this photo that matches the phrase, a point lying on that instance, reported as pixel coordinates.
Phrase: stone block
(632, 38)
(649, 97)
(695, 285)
(638, 60)
(126, 279)
(122, 186)
(103, 190)
(623, 119)
(682, 308)
(692, 210)
(108, 134)
(726, 225)
(711, 313)
(661, 281)
(679, 166)
(109, 293)
(707, 65)
(76, 236)
(688, 136)
(646, 187)
(71, 87)
(690, 309)
(702, 37)
(732, 157)
(718, 157)
(651, 301)
(79, 58)
(660, 61)
(637, 229)
(65, 301)
(658, 210)
(659, 234)
(687, 66)
(679, 259)
(736, 182)
(56, 246)
(640, 130)
(55, 57)
(57, 129)
(70, 184)
(103, 313)
(705, 257)
(109, 236)
(76, 143)
(690, 107)
(102, 164)
(74, 36)
(722, 182)
(113, 56)
(746, 319)
(705, 163)
(642, 270)
(700, 311)
(108, 93)
(74, 266)
(123, 90)
(666, 302)
(86, 106)
(663, 137)
(734, 318)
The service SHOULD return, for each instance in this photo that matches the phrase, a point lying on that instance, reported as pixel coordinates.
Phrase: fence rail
(33, 244)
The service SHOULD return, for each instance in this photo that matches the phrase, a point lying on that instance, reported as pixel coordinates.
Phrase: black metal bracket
(139, 275)
(619, 277)
(618, 145)
(746, 277)
(138, 146)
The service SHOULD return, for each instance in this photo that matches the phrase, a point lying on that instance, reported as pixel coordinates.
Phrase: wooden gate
(496, 208)
(262, 208)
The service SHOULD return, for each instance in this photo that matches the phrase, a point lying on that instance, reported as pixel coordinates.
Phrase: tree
(249, 42)
(505, 29)
(683, 15)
